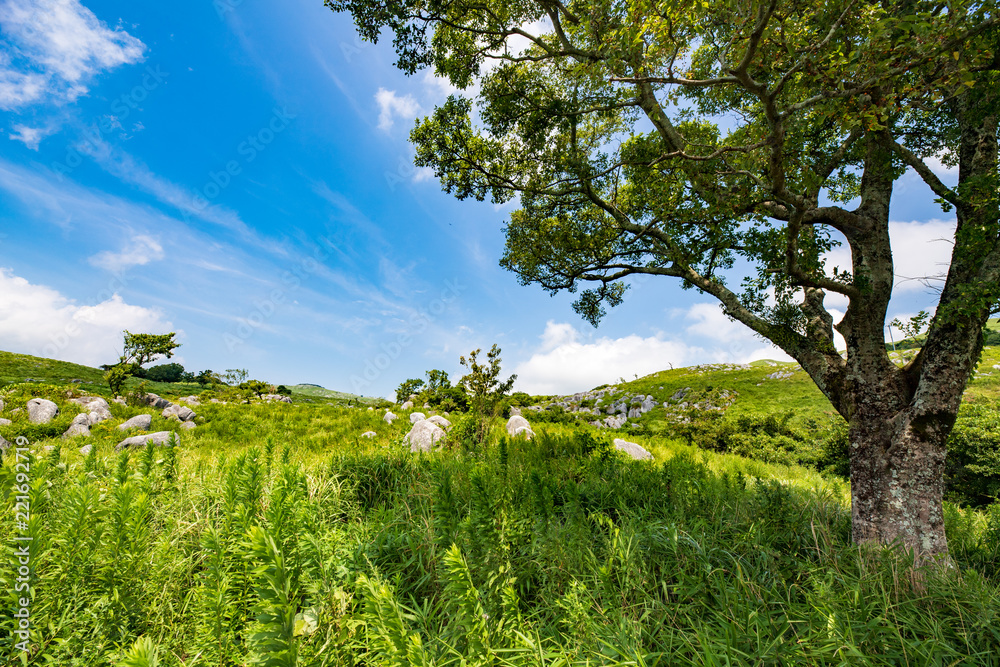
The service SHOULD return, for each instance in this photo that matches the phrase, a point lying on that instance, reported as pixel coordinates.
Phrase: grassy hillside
(16, 368)
(277, 530)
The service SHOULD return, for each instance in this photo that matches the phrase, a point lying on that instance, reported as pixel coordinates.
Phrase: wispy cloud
(29, 136)
(141, 250)
(54, 48)
(392, 105)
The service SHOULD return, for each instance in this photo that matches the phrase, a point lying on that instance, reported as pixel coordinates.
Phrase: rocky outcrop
(140, 422)
(180, 412)
(154, 401)
(158, 438)
(424, 435)
(637, 452)
(270, 398)
(41, 410)
(416, 417)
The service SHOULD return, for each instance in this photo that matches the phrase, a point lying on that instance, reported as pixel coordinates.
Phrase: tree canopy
(692, 139)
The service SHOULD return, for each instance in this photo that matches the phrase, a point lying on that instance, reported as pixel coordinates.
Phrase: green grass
(17, 368)
(275, 534)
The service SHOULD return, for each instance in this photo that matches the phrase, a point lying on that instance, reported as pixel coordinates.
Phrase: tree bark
(897, 482)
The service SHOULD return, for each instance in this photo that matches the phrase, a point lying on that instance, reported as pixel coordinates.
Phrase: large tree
(691, 139)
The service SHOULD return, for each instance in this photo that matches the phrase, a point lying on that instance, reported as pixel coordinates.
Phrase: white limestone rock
(424, 435)
(181, 412)
(637, 452)
(158, 438)
(440, 421)
(141, 422)
(417, 417)
(41, 410)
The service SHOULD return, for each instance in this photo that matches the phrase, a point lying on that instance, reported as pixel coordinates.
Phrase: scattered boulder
(371, 409)
(648, 404)
(277, 397)
(154, 401)
(5, 422)
(190, 400)
(680, 394)
(369, 434)
(515, 411)
(119, 400)
(519, 426)
(416, 417)
(141, 422)
(158, 438)
(440, 421)
(187, 426)
(423, 435)
(635, 413)
(181, 412)
(4, 445)
(41, 411)
(637, 452)
(615, 422)
(407, 406)
(86, 449)
(99, 414)
(78, 428)
(2, 405)
(90, 402)
(389, 417)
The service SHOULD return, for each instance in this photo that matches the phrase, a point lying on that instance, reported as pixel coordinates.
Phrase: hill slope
(15, 368)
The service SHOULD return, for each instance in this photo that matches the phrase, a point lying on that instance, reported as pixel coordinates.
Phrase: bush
(165, 373)
(972, 470)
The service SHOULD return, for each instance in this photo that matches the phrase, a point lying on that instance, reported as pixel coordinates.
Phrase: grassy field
(276, 534)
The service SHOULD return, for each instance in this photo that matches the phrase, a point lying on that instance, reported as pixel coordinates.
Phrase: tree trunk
(897, 482)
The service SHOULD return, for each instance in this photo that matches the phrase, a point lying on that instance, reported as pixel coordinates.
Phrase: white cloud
(734, 341)
(140, 251)
(437, 87)
(563, 364)
(919, 250)
(29, 136)
(55, 47)
(38, 320)
(390, 104)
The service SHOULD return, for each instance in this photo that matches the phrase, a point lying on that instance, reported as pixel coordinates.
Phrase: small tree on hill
(139, 349)
(408, 387)
(236, 376)
(485, 391)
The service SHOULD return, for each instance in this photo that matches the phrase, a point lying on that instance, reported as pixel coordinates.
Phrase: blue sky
(238, 171)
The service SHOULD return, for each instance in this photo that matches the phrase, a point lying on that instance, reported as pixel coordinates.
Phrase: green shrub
(972, 469)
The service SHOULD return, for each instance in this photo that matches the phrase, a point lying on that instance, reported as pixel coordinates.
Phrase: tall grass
(276, 536)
